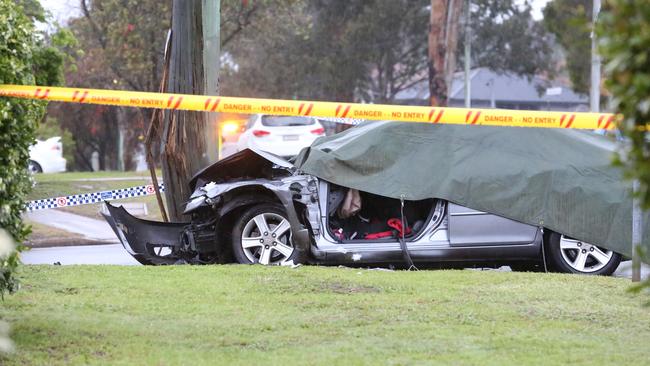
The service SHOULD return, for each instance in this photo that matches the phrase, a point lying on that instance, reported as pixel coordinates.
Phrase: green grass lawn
(206, 315)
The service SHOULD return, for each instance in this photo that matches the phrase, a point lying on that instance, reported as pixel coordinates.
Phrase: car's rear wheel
(263, 235)
(34, 167)
(569, 255)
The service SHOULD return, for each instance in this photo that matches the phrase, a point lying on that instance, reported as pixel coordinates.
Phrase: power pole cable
(468, 54)
(594, 92)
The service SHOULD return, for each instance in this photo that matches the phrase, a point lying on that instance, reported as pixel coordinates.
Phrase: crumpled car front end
(149, 242)
(221, 189)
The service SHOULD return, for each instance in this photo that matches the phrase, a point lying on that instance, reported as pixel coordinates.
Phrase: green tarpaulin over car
(560, 179)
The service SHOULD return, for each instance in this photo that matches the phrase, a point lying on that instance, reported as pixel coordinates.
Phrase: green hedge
(18, 122)
(624, 33)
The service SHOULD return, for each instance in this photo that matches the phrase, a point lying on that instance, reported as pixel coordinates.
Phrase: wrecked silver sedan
(372, 196)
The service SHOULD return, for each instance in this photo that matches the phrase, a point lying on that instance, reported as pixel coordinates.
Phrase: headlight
(194, 203)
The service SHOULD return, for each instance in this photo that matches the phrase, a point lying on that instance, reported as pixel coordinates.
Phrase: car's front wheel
(34, 167)
(569, 255)
(263, 235)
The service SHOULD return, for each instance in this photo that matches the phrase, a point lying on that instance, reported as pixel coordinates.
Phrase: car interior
(357, 216)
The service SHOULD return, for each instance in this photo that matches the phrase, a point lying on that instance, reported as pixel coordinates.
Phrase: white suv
(279, 135)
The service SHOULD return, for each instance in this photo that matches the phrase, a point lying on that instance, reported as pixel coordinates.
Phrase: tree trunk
(184, 145)
(443, 40)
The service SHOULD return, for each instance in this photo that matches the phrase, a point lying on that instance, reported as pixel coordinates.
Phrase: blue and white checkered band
(343, 121)
(90, 198)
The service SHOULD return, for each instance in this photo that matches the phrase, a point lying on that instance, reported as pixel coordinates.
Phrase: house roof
(507, 86)
(486, 83)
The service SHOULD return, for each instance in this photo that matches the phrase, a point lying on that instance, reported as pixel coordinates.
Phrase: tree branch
(241, 23)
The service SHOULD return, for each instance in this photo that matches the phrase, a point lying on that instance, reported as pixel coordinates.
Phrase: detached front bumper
(149, 242)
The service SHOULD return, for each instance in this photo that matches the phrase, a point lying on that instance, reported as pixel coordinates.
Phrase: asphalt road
(115, 254)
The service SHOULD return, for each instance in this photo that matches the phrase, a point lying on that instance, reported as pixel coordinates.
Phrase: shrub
(18, 121)
(624, 33)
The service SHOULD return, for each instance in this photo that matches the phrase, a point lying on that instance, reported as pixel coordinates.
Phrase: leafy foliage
(390, 37)
(505, 38)
(624, 33)
(570, 22)
(370, 50)
(331, 50)
(51, 59)
(123, 49)
(18, 121)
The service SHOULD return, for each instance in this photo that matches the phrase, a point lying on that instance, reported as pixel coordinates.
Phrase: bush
(18, 121)
(624, 32)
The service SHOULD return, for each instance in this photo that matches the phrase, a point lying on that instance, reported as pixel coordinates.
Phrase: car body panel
(472, 227)
(304, 198)
(141, 237)
(432, 244)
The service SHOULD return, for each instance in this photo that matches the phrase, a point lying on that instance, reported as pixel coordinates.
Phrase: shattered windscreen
(560, 179)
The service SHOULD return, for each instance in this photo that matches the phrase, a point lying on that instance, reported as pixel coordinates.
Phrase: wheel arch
(239, 200)
(38, 164)
(248, 195)
(557, 263)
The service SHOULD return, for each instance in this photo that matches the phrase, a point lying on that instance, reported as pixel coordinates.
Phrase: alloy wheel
(266, 239)
(33, 167)
(582, 256)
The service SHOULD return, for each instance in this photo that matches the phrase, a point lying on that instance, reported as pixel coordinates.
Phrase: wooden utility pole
(468, 53)
(594, 90)
(443, 41)
(211, 65)
(184, 146)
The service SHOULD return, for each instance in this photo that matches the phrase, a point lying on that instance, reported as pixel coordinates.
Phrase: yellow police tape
(463, 116)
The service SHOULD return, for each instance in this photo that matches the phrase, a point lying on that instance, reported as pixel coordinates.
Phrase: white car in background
(46, 156)
(280, 135)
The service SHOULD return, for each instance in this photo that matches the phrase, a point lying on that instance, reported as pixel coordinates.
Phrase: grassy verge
(69, 176)
(93, 210)
(205, 315)
(44, 233)
(57, 188)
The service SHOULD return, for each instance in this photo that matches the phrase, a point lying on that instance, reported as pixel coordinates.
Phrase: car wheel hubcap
(266, 239)
(582, 256)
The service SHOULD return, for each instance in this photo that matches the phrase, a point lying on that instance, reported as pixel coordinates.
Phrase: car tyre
(262, 234)
(567, 255)
(34, 167)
